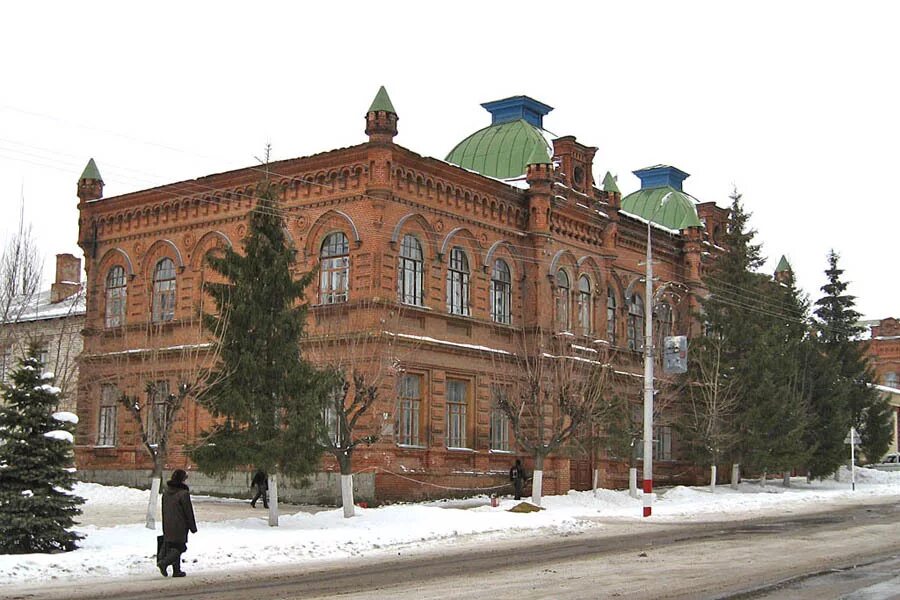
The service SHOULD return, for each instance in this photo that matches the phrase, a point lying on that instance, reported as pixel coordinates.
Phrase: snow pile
(128, 550)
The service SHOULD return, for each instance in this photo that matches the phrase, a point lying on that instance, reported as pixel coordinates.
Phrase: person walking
(517, 476)
(260, 483)
(178, 519)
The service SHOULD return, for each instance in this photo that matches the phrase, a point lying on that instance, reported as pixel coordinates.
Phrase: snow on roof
(39, 307)
(654, 224)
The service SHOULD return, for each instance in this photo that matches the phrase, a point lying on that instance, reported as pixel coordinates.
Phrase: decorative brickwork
(377, 194)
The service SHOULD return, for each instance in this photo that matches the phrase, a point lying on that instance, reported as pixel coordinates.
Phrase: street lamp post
(648, 368)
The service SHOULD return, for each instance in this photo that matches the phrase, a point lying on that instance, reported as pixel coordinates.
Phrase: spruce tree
(37, 510)
(265, 400)
(775, 415)
(759, 329)
(853, 395)
(729, 316)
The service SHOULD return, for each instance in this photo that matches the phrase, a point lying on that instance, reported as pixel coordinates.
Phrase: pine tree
(266, 405)
(36, 474)
(852, 395)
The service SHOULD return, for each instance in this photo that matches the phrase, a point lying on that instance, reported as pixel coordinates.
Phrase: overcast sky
(795, 103)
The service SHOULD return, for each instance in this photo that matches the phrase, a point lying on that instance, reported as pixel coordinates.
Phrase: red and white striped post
(648, 368)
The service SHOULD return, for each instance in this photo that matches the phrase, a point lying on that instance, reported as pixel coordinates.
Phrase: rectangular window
(106, 428)
(662, 445)
(332, 419)
(44, 354)
(457, 398)
(499, 430)
(410, 393)
(156, 417)
(5, 364)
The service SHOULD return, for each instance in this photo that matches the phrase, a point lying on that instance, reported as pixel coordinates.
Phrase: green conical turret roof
(783, 265)
(91, 172)
(382, 102)
(609, 184)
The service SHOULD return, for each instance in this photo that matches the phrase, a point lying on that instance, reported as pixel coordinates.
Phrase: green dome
(502, 150)
(679, 211)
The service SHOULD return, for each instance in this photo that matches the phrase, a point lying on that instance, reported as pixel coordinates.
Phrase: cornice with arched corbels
(481, 206)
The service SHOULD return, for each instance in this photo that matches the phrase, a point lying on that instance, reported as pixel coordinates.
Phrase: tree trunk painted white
(347, 495)
(632, 482)
(273, 500)
(152, 503)
(712, 479)
(596, 480)
(735, 475)
(786, 481)
(762, 480)
(536, 484)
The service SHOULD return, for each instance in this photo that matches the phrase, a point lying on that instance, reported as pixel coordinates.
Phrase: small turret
(90, 184)
(783, 272)
(381, 120)
(539, 175)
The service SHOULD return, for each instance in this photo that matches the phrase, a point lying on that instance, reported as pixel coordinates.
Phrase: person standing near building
(178, 519)
(260, 484)
(517, 476)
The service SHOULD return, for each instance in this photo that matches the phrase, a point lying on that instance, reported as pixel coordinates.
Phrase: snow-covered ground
(128, 550)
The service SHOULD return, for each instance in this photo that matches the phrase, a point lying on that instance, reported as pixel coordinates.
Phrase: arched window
(611, 316)
(562, 300)
(334, 269)
(584, 305)
(635, 329)
(890, 379)
(116, 293)
(500, 293)
(662, 322)
(410, 272)
(163, 291)
(458, 283)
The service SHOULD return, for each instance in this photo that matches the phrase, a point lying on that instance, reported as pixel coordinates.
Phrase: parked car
(890, 462)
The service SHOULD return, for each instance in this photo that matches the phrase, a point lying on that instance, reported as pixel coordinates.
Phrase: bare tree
(357, 349)
(20, 281)
(712, 400)
(620, 418)
(155, 411)
(548, 389)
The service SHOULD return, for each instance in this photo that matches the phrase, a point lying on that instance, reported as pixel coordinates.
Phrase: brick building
(52, 320)
(457, 259)
(883, 349)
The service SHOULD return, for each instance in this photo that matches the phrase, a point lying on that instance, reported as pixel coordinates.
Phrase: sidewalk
(206, 509)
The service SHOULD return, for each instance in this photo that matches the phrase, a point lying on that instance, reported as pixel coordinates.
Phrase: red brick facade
(883, 349)
(374, 194)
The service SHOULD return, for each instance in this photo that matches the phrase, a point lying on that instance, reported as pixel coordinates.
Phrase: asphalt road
(759, 558)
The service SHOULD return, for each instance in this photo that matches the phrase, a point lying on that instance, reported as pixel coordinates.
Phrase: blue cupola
(661, 176)
(515, 108)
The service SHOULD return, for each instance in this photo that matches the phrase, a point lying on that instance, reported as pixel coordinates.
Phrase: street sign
(852, 437)
(675, 354)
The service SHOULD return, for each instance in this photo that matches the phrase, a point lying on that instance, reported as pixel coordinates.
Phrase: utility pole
(648, 368)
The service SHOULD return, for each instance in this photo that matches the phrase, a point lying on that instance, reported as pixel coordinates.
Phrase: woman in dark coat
(178, 519)
(260, 485)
